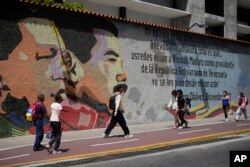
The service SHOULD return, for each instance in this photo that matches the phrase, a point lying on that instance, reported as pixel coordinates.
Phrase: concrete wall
(197, 10)
(168, 3)
(82, 57)
(230, 11)
(195, 7)
(134, 15)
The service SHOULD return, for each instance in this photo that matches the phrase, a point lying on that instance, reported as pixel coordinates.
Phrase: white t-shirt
(173, 103)
(55, 111)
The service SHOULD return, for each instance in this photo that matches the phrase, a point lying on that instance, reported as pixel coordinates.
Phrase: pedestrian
(225, 101)
(172, 106)
(242, 104)
(181, 109)
(41, 114)
(55, 123)
(117, 114)
(188, 105)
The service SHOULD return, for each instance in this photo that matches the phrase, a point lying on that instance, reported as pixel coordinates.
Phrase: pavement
(76, 145)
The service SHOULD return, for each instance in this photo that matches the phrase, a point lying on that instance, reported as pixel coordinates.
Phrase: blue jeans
(39, 134)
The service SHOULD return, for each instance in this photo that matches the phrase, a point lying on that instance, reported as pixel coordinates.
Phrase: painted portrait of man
(96, 49)
(79, 59)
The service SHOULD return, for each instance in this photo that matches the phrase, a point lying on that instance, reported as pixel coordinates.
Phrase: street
(211, 154)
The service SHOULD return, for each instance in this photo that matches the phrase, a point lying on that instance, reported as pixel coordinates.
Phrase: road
(212, 154)
(84, 148)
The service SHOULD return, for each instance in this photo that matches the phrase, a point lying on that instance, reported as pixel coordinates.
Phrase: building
(226, 18)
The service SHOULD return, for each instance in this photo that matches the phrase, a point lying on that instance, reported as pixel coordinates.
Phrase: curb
(135, 149)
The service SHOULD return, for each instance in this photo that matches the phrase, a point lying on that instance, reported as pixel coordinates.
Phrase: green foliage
(48, 2)
(74, 6)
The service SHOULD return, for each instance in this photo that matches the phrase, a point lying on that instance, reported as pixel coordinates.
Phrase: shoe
(36, 149)
(186, 124)
(48, 148)
(57, 152)
(226, 120)
(180, 127)
(129, 136)
(236, 120)
(40, 148)
(105, 135)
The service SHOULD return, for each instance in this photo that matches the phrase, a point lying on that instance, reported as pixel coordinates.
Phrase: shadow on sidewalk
(117, 136)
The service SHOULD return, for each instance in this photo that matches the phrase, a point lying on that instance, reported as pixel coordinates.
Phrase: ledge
(144, 7)
(214, 20)
(243, 29)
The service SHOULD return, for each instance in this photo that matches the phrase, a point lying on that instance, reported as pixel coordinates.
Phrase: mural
(82, 57)
(165, 60)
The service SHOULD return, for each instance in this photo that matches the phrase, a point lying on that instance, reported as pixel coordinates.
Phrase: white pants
(239, 112)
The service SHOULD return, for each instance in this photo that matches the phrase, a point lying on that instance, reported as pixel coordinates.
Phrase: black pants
(57, 134)
(119, 118)
(225, 109)
(181, 114)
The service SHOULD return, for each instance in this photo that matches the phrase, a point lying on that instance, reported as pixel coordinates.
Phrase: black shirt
(181, 102)
(41, 110)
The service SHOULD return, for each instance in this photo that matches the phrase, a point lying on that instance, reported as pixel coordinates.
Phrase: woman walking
(172, 106)
(56, 125)
(225, 101)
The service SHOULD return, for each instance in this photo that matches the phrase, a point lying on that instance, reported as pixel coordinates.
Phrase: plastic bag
(49, 134)
(238, 111)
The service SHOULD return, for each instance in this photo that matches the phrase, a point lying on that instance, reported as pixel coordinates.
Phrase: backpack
(32, 114)
(112, 102)
(188, 106)
(188, 102)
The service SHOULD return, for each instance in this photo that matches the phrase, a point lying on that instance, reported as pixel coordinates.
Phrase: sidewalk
(94, 133)
(83, 145)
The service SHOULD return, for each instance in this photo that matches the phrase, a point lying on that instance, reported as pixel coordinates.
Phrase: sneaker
(180, 127)
(57, 152)
(105, 135)
(226, 120)
(129, 136)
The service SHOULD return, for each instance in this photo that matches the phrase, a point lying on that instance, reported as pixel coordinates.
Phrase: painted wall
(82, 57)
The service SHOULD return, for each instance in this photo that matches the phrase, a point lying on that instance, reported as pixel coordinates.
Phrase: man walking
(117, 114)
(181, 106)
(41, 112)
